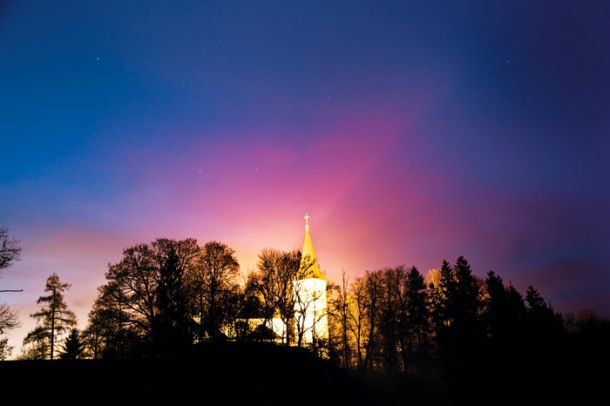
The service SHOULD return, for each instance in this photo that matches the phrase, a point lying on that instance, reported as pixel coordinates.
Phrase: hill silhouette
(232, 372)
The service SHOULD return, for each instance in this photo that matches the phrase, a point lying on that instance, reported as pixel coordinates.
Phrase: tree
(504, 313)
(8, 320)
(357, 315)
(171, 328)
(415, 315)
(213, 283)
(9, 249)
(372, 298)
(111, 331)
(544, 324)
(9, 253)
(5, 349)
(35, 351)
(273, 283)
(342, 309)
(466, 298)
(442, 287)
(147, 305)
(308, 316)
(455, 303)
(133, 282)
(54, 318)
(73, 346)
(495, 306)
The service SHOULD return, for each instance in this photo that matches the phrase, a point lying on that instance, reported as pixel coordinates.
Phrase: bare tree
(8, 320)
(136, 277)
(10, 250)
(308, 311)
(373, 291)
(213, 285)
(357, 316)
(273, 282)
(127, 307)
(341, 306)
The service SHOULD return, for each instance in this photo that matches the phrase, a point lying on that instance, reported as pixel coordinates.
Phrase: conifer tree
(171, 326)
(416, 317)
(54, 318)
(73, 346)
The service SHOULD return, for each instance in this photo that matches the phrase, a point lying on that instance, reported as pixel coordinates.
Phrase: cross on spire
(307, 222)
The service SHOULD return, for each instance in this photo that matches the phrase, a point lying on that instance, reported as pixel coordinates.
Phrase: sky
(410, 131)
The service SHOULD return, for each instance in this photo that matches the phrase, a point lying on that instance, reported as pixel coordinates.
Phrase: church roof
(309, 262)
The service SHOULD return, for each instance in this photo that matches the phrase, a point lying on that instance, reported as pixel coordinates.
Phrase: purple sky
(410, 131)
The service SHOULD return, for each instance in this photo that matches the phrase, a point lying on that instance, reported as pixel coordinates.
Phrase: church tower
(311, 313)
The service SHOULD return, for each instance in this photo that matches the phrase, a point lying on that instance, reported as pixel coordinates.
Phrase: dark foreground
(253, 373)
(214, 373)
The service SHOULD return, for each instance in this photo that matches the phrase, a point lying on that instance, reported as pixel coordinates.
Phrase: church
(310, 301)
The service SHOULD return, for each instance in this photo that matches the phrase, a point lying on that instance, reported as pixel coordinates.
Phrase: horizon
(411, 132)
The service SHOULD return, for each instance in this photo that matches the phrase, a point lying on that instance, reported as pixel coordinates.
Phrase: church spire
(308, 255)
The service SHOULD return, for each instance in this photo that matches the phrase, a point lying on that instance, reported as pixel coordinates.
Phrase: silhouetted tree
(131, 297)
(171, 327)
(590, 335)
(372, 299)
(112, 331)
(213, 283)
(34, 352)
(73, 346)
(9, 253)
(442, 287)
(304, 301)
(392, 304)
(8, 320)
(273, 282)
(357, 318)
(455, 302)
(466, 299)
(504, 313)
(544, 324)
(342, 311)
(9, 249)
(54, 318)
(415, 317)
(5, 349)
(495, 306)
(250, 306)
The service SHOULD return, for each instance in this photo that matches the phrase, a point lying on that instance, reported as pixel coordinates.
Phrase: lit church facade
(310, 302)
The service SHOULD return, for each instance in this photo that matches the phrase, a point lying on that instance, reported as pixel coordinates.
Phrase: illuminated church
(310, 303)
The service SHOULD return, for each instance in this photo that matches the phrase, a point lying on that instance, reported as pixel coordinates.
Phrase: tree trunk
(53, 324)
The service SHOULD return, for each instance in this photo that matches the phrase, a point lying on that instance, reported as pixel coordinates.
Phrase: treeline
(163, 297)
(395, 319)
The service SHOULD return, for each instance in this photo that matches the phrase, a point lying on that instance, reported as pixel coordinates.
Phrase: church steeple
(308, 258)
